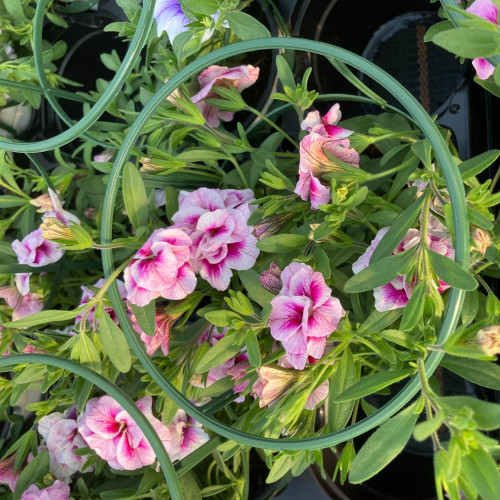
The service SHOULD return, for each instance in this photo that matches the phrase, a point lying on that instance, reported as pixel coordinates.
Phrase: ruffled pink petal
(388, 297)
(287, 316)
(333, 115)
(298, 361)
(320, 195)
(312, 120)
(483, 68)
(316, 346)
(485, 9)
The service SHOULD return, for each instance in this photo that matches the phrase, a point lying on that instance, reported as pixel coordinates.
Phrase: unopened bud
(271, 279)
(271, 225)
(342, 194)
(148, 166)
(55, 230)
(481, 240)
(489, 339)
(276, 381)
(174, 97)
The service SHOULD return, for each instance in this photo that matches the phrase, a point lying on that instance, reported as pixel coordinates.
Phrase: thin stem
(276, 127)
(485, 285)
(494, 181)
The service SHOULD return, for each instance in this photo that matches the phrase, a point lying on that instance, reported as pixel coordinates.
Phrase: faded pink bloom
(22, 305)
(314, 163)
(489, 339)
(35, 251)
(57, 491)
(22, 281)
(61, 436)
(58, 212)
(240, 77)
(185, 435)
(326, 126)
(485, 9)
(109, 430)
(481, 240)
(43, 202)
(272, 224)
(161, 268)
(7, 474)
(161, 337)
(304, 314)
(104, 156)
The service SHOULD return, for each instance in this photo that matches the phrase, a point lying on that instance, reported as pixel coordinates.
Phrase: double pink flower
(304, 314)
(324, 137)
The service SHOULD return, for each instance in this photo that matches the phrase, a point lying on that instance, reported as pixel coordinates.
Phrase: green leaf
(398, 231)
(424, 429)
(255, 290)
(437, 28)
(222, 318)
(483, 373)
(49, 316)
(253, 349)
(486, 415)
(245, 27)
(88, 353)
(423, 150)
(450, 272)
(171, 201)
(282, 243)
(284, 72)
(82, 237)
(115, 343)
(224, 349)
(146, 317)
(482, 472)
(371, 384)
(476, 165)
(38, 467)
(344, 377)
(383, 446)
(134, 196)
(379, 273)
(280, 467)
(206, 7)
(414, 310)
(469, 42)
(211, 491)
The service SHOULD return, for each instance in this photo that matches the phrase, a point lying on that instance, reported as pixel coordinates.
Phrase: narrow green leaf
(245, 27)
(398, 231)
(50, 316)
(115, 343)
(206, 7)
(222, 318)
(450, 272)
(423, 150)
(372, 383)
(383, 446)
(88, 353)
(37, 468)
(344, 377)
(255, 290)
(482, 472)
(414, 310)
(483, 373)
(486, 415)
(280, 467)
(424, 429)
(284, 72)
(253, 349)
(282, 243)
(224, 349)
(476, 165)
(134, 196)
(146, 317)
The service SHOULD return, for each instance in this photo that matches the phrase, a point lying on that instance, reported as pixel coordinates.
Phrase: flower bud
(271, 279)
(481, 240)
(147, 166)
(271, 225)
(276, 382)
(55, 230)
(489, 339)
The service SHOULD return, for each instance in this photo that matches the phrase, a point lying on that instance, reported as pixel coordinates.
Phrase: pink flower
(7, 474)
(485, 9)
(326, 126)
(22, 305)
(161, 268)
(62, 438)
(35, 250)
(397, 292)
(314, 163)
(104, 156)
(185, 435)
(240, 77)
(57, 491)
(22, 281)
(161, 337)
(58, 212)
(109, 430)
(304, 314)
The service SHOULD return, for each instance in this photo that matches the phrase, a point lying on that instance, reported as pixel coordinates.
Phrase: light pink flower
(104, 156)
(62, 438)
(240, 77)
(161, 268)
(314, 163)
(304, 314)
(109, 430)
(58, 212)
(485, 9)
(43, 202)
(326, 126)
(22, 281)
(7, 474)
(185, 435)
(22, 305)
(57, 491)
(35, 251)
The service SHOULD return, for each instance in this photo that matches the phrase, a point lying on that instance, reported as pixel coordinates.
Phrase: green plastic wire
(459, 212)
(456, 17)
(137, 43)
(119, 396)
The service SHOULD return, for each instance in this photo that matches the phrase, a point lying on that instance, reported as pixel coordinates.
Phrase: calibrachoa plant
(282, 275)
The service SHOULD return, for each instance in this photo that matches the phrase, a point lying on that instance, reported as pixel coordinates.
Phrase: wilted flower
(35, 250)
(240, 77)
(164, 322)
(485, 9)
(275, 382)
(489, 339)
(109, 430)
(185, 435)
(272, 224)
(43, 202)
(481, 240)
(57, 491)
(58, 212)
(304, 314)
(326, 126)
(271, 279)
(161, 268)
(22, 305)
(7, 474)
